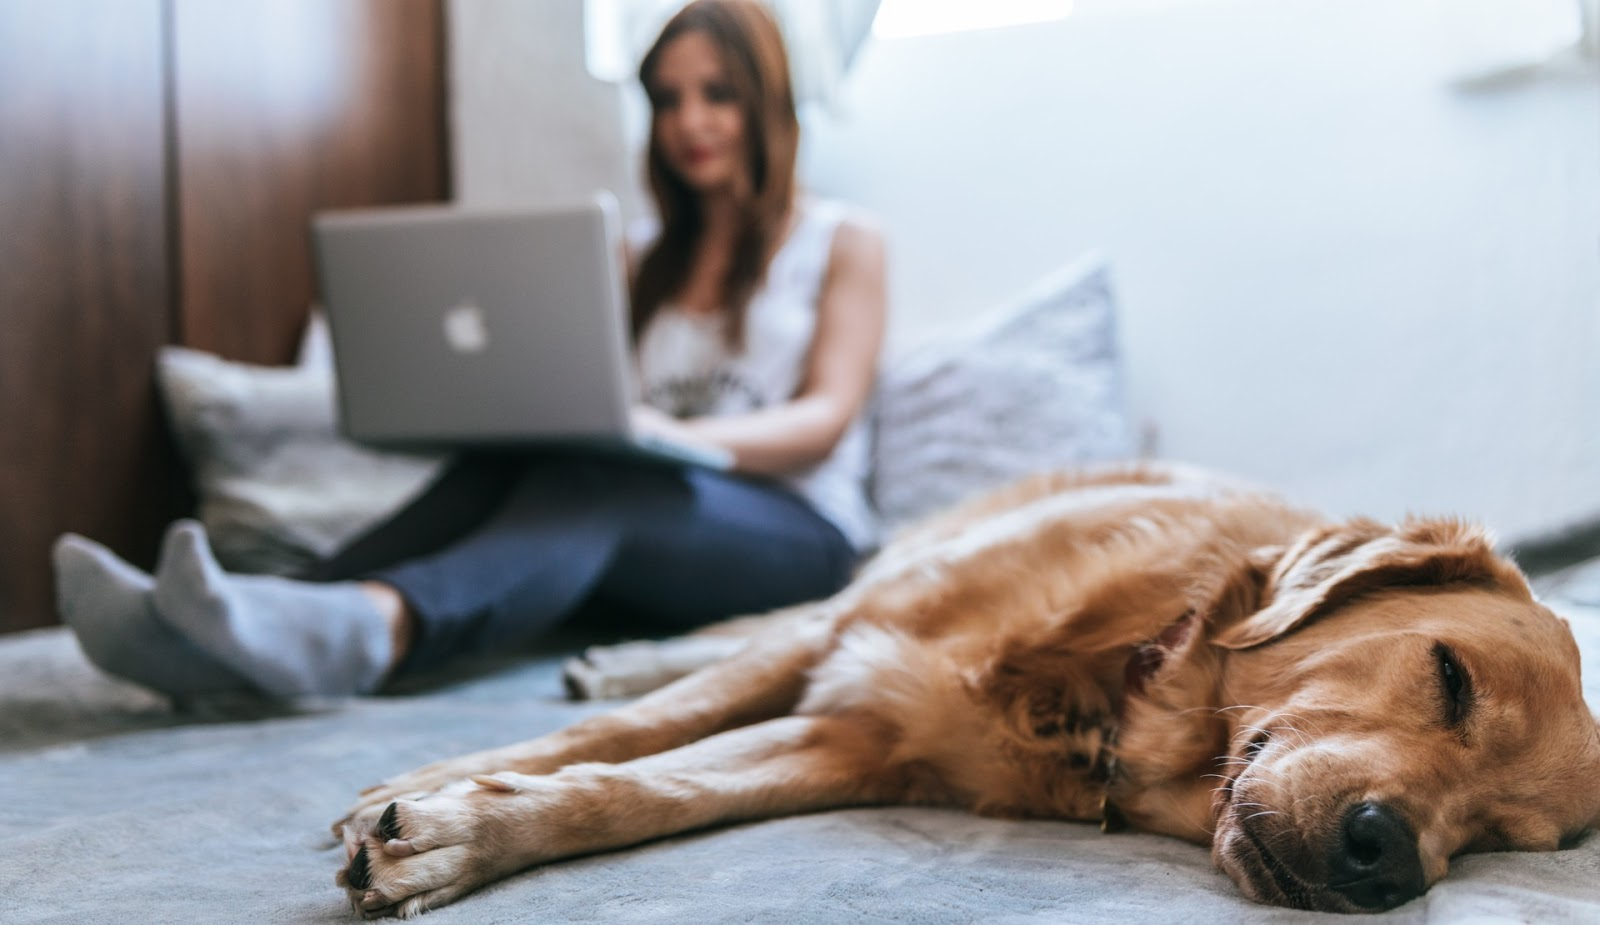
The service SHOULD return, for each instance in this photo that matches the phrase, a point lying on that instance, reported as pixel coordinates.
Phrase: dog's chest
(1082, 735)
(1038, 755)
(1063, 771)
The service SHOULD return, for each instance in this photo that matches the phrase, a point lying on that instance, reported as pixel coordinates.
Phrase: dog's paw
(630, 669)
(426, 780)
(416, 855)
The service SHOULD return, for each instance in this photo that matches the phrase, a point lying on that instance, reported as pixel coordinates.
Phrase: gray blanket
(117, 807)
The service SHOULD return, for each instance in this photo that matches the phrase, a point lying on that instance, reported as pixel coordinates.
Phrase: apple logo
(464, 328)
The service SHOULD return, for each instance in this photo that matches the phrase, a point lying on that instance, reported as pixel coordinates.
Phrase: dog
(1336, 708)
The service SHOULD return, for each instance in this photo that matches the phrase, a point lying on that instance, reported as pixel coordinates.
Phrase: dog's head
(1401, 698)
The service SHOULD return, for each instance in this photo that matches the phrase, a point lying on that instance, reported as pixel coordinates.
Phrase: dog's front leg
(425, 853)
(763, 680)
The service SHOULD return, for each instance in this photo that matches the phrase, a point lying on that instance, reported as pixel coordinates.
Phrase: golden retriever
(1336, 709)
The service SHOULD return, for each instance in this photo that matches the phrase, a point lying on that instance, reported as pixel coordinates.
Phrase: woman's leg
(291, 637)
(110, 606)
(740, 547)
(682, 547)
(532, 564)
(465, 493)
(204, 631)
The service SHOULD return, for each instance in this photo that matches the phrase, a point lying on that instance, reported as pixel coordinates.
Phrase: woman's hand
(652, 422)
(648, 422)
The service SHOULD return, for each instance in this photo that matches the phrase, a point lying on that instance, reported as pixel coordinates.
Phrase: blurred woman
(757, 317)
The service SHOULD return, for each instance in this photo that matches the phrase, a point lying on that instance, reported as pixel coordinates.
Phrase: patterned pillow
(1032, 385)
(278, 486)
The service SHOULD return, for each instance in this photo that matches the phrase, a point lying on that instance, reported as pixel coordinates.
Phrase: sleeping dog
(1335, 708)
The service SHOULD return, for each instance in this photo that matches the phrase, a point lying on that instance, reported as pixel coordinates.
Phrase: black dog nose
(1375, 863)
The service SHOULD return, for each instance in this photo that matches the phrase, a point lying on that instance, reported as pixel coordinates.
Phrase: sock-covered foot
(107, 603)
(288, 637)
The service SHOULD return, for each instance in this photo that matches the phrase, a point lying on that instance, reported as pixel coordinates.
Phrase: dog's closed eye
(1456, 685)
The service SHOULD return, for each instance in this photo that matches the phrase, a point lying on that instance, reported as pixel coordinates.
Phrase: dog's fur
(1335, 708)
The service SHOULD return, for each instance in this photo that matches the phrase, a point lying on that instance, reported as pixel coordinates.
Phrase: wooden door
(159, 161)
(84, 286)
(285, 107)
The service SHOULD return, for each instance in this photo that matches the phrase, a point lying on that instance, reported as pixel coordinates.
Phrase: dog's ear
(1330, 566)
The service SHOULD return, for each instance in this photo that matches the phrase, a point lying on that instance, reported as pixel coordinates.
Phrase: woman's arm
(840, 371)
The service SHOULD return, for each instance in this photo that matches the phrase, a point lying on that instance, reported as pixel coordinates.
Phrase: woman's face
(699, 123)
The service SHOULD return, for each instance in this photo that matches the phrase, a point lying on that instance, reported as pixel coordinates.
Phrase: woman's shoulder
(849, 230)
(856, 233)
(842, 214)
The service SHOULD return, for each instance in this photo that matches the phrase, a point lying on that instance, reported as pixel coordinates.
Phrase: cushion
(1031, 385)
(278, 486)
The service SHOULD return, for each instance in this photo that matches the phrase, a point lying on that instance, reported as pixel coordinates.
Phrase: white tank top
(686, 368)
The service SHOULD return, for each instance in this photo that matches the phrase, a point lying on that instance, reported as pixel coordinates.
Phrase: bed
(123, 807)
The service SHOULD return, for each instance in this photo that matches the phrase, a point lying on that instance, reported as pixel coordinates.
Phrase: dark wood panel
(285, 107)
(83, 287)
(159, 160)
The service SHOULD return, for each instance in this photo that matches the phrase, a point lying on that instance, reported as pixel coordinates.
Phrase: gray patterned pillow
(1032, 385)
(278, 486)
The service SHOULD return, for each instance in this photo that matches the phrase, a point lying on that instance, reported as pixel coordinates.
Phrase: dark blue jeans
(500, 549)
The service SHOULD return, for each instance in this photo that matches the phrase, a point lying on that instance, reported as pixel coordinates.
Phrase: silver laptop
(457, 328)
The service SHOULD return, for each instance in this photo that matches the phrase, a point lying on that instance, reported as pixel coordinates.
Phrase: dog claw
(388, 825)
(359, 875)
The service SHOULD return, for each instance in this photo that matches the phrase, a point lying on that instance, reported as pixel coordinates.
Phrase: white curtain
(823, 38)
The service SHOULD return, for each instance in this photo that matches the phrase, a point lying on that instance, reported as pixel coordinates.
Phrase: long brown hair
(751, 46)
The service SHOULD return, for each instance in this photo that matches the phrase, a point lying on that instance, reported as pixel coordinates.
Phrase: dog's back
(993, 644)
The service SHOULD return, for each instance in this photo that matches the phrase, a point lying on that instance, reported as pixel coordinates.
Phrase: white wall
(1339, 275)
(528, 123)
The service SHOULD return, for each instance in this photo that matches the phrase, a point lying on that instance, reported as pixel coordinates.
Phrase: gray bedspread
(116, 807)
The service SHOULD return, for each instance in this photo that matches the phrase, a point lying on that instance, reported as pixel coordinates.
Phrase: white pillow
(1029, 386)
(278, 486)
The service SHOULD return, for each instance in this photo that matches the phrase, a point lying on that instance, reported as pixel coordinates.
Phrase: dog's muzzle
(1369, 863)
(1375, 863)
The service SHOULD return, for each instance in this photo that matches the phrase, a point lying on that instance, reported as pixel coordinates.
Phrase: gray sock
(107, 603)
(289, 637)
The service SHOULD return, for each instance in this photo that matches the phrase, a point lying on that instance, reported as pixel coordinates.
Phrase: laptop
(454, 328)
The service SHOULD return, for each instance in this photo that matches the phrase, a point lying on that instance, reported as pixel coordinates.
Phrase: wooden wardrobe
(159, 160)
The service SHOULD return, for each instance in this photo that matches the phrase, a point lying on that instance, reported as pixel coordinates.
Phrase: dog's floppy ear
(1329, 566)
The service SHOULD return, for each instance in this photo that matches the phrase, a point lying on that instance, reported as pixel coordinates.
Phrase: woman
(757, 318)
